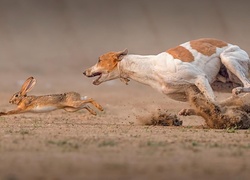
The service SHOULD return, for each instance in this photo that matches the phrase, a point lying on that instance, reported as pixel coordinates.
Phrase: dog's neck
(138, 68)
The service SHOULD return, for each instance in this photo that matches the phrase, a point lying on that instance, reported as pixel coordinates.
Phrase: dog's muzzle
(91, 75)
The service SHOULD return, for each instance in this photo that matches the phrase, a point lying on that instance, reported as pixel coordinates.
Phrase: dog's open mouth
(96, 74)
(96, 82)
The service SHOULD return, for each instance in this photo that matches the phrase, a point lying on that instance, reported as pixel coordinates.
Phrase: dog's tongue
(97, 74)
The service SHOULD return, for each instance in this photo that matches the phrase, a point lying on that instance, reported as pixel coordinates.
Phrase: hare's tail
(84, 97)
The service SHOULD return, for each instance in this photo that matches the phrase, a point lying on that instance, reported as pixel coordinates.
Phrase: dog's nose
(84, 73)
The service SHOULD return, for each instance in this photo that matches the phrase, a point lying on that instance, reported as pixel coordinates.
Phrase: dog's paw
(237, 91)
(187, 112)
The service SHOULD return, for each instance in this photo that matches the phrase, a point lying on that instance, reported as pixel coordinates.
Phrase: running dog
(197, 63)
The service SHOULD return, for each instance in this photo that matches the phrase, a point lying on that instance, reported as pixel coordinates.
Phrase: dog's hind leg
(237, 64)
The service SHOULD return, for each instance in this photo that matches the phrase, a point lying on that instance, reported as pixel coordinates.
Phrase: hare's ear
(28, 85)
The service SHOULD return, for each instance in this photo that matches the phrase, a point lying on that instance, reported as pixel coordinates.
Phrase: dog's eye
(16, 95)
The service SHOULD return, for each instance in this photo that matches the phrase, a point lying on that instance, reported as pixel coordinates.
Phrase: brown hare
(70, 101)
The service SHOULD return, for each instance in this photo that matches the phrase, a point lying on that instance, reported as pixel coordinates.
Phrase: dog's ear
(121, 54)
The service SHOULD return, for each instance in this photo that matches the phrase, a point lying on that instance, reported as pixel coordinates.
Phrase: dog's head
(106, 67)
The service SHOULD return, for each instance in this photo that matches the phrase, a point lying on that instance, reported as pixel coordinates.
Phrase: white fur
(172, 76)
(40, 109)
(164, 73)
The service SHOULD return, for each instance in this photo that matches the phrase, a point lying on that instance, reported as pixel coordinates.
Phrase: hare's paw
(99, 107)
(2, 113)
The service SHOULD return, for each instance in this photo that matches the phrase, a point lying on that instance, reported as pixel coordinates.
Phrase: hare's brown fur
(70, 101)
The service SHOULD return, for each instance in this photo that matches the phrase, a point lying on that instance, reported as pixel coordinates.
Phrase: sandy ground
(54, 41)
(114, 145)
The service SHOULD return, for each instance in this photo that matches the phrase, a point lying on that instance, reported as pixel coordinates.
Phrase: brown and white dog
(198, 62)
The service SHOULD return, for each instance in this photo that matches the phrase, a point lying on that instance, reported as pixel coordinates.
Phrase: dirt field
(54, 41)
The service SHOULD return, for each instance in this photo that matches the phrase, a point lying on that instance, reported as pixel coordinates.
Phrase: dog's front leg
(204, 86)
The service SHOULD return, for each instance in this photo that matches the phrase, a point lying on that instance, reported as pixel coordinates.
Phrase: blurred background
(55, 40)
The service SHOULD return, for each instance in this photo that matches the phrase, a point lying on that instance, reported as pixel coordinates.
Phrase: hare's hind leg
(76, 100)
(98, 106)
(90, 110)
(92, 101)
(81, 104)
(74, 109)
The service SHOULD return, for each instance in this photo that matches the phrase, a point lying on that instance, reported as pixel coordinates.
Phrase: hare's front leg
(2, 113)
(15, 111)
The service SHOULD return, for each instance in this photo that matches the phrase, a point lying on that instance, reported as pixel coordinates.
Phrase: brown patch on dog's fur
(220, 117)
(207, 46)
(108, 61)
(181, 53)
